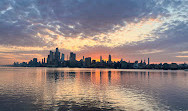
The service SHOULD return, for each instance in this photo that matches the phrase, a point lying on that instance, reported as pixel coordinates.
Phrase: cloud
(182, 56)
(24, 19)
(133, 32)
(124, 27)
(184, 52)
(152, 51)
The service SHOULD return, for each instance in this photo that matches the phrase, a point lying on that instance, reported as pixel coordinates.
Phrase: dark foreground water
(74, 89)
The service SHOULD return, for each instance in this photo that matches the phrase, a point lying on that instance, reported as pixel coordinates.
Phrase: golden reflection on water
(56, 88)
(101, 86)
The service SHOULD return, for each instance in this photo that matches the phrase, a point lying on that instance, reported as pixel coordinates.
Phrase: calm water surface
(74, 89)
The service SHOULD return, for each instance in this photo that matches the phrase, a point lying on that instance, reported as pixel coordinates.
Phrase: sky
(128, 29)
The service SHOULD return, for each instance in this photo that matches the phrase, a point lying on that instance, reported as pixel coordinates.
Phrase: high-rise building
(35, 60)
(51, 57)
(57, 56)
(109, 59)
(100, 59)
(88, 61)
(148, 61)
(44, 61)
(72, 59)
(48, 59)
(72, 56)
(62, 57)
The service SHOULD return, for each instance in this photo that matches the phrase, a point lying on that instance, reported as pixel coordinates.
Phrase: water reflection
(109, 76)
(92, 89)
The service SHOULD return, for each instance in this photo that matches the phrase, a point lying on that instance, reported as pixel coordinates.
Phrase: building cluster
(56, 59)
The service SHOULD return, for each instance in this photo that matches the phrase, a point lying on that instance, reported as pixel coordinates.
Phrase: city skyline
(96, 57)
(93, 55)
(72, 56)
(128, 29)
(53, 55)
(57, 59)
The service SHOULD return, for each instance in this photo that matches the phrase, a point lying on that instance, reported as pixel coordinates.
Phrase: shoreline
(92, 67)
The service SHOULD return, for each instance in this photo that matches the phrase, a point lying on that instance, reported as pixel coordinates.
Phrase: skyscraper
(72, 59)
(109, 59)
(62, 57)
(51, 57)
(148, 61)
(48, 59)
(88, 61)
(35, 60)
(100, 59)
(72, 56)
(57, 56)
(44, 61)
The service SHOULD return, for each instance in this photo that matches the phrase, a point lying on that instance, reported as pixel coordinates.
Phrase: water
(75, 89)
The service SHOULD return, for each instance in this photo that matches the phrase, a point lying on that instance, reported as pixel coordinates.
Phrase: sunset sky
(128, 29)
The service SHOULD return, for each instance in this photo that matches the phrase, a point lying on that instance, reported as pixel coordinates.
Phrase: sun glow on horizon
(129, 34)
